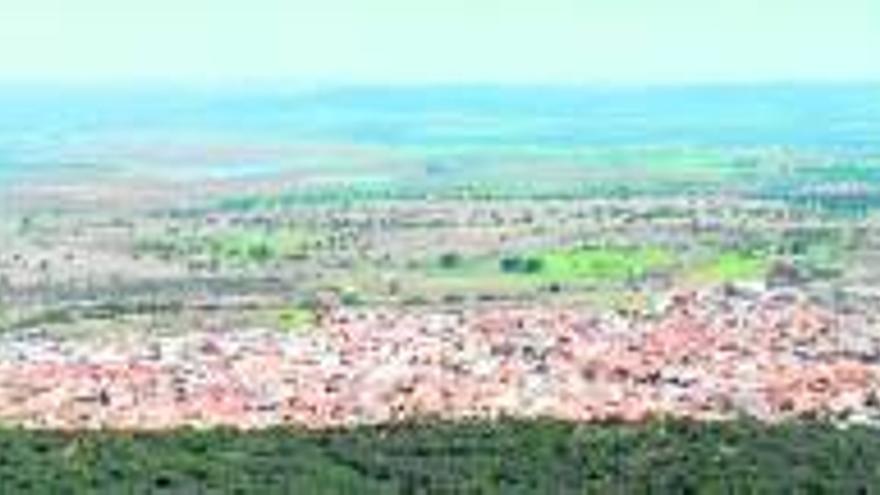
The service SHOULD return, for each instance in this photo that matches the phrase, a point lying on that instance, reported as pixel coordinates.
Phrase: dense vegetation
(471, 457)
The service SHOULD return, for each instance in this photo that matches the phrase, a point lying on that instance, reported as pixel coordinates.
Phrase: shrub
(259, 252)
(518, 264)
(450, 260)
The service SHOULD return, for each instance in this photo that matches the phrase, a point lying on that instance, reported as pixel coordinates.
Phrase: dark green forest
(502, 457)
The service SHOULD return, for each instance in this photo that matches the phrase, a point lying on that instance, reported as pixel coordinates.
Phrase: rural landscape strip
(444, 340)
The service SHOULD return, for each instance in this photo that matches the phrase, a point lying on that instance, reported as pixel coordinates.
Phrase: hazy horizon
(253, 130)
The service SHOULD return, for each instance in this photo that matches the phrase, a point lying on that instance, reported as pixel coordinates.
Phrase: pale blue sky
(419, 41)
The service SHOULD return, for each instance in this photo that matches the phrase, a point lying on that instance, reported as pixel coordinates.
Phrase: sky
(208, 42)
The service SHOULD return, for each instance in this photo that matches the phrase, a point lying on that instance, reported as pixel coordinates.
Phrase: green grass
(296, 318)
(594, 264)
(733, 266)
(604, 263)
(598, 265)
(506, 457)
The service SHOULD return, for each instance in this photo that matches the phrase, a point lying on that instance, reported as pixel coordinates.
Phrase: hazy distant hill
(42, 128)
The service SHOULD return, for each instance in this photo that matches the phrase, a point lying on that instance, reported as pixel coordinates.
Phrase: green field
(732, 266)
(603, 263)
(296, 318)
(607, 264)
